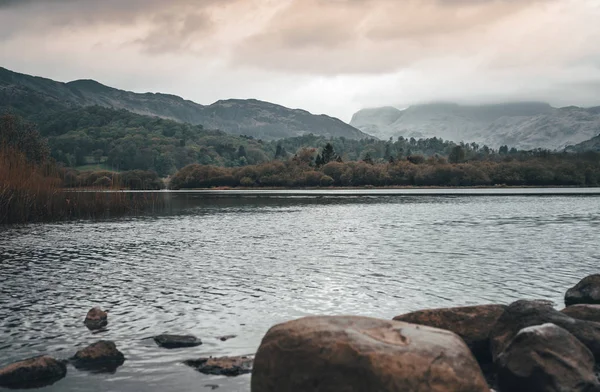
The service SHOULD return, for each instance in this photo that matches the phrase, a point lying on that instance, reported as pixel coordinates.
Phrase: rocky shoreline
(526, 346)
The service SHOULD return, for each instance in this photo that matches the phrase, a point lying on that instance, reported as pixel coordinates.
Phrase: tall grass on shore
(33, 193)
(31, 185)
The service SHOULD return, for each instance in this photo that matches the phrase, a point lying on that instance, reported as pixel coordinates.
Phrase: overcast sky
(326, 56)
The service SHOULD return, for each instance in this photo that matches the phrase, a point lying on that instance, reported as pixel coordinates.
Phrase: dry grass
(32, 193)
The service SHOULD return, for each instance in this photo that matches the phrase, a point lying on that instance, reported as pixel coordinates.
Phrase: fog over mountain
(524, 125)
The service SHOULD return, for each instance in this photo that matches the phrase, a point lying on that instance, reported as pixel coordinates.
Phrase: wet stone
(101, 356)
(96, 319)
(177, 341)
(223, 366)
(34, 372)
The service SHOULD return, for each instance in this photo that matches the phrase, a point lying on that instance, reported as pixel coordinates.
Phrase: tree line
(465, 166)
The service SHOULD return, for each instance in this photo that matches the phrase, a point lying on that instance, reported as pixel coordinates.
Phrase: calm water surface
(237, 264)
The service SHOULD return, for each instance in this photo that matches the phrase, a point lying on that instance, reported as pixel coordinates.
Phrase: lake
(221, 263)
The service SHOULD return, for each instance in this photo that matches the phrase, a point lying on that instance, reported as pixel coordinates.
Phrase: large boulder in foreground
(546, 358)
(177, 341)
(472, 323)
(95, 319)
(224, 366)
(100, 356)
(35, 372)
(583, 312)
(363, 354)
(522, 314)
(587, 291)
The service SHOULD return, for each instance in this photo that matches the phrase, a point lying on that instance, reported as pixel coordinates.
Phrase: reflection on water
(213, 265)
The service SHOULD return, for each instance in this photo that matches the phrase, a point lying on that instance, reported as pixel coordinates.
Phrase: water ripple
(239, 266)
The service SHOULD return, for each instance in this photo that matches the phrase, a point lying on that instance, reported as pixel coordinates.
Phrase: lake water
(219, 263)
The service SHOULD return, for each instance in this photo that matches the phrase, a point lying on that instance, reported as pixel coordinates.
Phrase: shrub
(326, 181)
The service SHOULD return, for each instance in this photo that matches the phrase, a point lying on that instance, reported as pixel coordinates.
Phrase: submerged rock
(226, 337)
(224, 366)
(522, 314)
(472, 323)
(95, 319)
(101, 356)
(177, 341)
(363, 354)
(546, 358)
(583, 312)
(34, 372)
(587, 291)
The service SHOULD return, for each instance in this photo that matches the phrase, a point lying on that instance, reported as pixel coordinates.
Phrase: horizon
(304, 54)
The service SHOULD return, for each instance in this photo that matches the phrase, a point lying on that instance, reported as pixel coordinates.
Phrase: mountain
(589, 145)
(28, 95)
(524, 125)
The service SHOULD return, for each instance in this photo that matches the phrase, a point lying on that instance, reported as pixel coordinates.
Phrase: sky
(325, 56)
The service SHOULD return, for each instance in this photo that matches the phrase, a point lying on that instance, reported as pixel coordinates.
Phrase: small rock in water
(35, 372)
(587, 291)
(95, 319)
(177, 341)
(224, 366)
(100, 356)
(546, 358)
(226, 337)
(212, 386)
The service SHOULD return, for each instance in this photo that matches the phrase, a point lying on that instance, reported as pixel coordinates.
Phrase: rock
(224, 366)
(351, 354)
(472, 323)
(587, 291)
(583, 312)
(546, 358)
(35, 372)
(522, 314)
(102, 356)
(226, 337)
(177, 341)
(96, 318)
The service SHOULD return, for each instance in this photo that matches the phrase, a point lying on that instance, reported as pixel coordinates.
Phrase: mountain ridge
(259, 119)
(524, 125)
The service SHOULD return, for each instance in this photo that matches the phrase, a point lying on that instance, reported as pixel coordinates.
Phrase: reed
(31, 192)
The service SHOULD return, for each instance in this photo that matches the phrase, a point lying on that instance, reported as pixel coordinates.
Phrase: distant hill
(30, 95)
(524, 125)
(589, 145)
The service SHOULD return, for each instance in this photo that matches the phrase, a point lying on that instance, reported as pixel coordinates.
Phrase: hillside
(524, 125)
(589, 145)
(29, 95)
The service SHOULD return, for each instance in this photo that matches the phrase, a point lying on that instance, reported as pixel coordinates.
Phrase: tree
(368, 159)
(280, 152)
(241, 152)
(23, 136)
(319, 160)
(98, 154)
(388, 152)
(457, 155)
(328, 154)
(503, 150)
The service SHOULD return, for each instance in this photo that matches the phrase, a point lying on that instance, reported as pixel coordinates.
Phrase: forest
(118, 140)
(95, 147)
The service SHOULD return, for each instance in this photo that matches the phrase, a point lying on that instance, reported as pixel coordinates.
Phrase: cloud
(328, 56)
